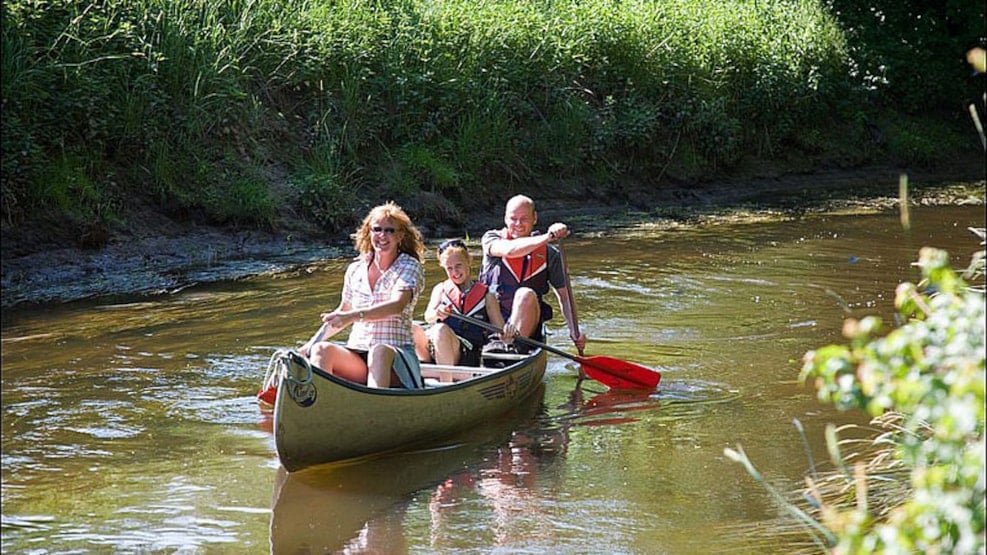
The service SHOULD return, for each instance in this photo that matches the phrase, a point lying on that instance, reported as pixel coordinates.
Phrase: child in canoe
(449, 340)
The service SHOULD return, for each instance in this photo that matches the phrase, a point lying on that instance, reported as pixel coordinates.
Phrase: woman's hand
(336, 319)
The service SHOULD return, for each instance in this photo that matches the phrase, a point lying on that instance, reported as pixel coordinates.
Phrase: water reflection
(360, 506)
(492, 489)
(496, 487)
(608, 407)
(507, 492)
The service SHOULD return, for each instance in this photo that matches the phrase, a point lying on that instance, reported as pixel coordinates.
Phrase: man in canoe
(452, 341)
(380, 290)
(520, 265)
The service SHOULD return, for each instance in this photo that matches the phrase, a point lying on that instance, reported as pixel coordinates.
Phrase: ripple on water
(618, 284)
(116, 431)
(694, 391)
(215, 406)
(185, 535)
(679, 398)
(26, 522)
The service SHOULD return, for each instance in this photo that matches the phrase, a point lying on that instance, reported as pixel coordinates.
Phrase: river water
(130, 426)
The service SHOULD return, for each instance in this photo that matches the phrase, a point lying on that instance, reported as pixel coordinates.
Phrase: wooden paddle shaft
(568, 289)
(323, 333)
(574, 328)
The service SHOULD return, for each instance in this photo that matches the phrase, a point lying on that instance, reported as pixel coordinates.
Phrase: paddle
(574, 322)
(611, 372)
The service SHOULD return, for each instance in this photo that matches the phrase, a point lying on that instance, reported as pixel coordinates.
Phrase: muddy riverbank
(159, 256)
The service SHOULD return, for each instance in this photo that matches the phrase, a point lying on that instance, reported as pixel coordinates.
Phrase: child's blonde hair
(449, 246)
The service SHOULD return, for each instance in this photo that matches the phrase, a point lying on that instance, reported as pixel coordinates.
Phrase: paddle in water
(611, 372)
(628, 372)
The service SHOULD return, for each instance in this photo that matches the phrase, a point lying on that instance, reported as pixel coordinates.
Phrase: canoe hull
(319, 418)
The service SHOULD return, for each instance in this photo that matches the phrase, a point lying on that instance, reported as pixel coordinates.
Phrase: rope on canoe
(277, 369)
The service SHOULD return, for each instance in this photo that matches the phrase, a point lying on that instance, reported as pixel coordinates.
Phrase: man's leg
(526, 311)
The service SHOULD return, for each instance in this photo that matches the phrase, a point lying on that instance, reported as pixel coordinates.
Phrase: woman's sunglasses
(388, 230)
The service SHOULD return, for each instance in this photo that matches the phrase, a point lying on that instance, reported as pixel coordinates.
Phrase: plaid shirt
(405, 274)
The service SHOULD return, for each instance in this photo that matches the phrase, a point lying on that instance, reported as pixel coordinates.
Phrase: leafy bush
(909, 54)
(323, 194)
(930, 371)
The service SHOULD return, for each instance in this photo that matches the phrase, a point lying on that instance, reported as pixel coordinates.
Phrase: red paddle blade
(619, 374)
(267, 396)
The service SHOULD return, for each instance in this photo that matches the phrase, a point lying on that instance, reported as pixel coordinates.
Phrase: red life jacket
(469, 304)
(473, 304)
(530, 270)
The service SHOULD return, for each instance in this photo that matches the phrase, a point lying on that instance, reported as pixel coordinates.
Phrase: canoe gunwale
(480, 374)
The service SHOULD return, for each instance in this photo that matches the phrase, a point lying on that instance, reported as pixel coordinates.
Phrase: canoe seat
(501, 360)
(433, 382)
(440, 375)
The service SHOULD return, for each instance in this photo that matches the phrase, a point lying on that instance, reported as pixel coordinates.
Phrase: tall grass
(174, 99)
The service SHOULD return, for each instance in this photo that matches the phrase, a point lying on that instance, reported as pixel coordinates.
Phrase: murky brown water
(132, 427)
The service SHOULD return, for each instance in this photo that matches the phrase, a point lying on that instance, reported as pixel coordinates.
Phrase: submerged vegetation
(226, 112)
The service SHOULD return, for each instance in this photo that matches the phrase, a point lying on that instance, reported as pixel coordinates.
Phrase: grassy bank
(228, 112)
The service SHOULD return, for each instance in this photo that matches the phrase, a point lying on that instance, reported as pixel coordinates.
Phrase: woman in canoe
(380, 290)
(450, 340)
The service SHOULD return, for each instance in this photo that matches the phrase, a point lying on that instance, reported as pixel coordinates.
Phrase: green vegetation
(918, 487)
(191, 106)
(930, 374)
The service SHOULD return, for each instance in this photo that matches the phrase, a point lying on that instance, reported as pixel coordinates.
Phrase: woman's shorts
(406, 365)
